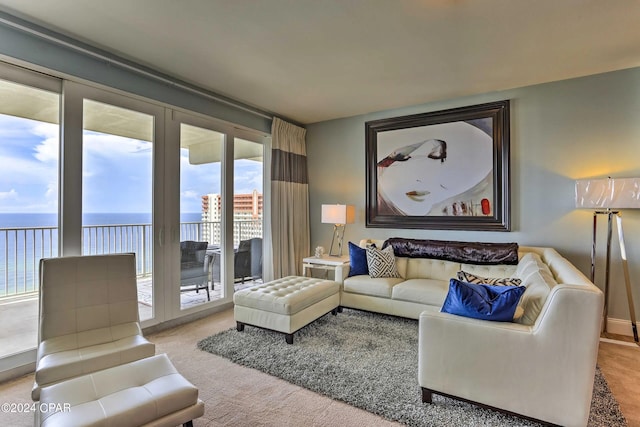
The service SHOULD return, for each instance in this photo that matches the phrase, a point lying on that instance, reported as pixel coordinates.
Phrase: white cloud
(112, 146)
(190, 194)
(248, 176)
(24, 171)
(48, 149)
(13, 127)
(11, 194)
(28, 165)
(51, 194)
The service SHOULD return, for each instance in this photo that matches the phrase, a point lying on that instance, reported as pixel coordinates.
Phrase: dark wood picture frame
(445, 170)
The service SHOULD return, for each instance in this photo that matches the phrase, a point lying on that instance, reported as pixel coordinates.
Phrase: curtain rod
(33, 29)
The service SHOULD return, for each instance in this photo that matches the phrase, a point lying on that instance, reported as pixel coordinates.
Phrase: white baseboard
(619, 327)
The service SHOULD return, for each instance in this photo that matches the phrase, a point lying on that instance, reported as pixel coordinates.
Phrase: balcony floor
(19, 315)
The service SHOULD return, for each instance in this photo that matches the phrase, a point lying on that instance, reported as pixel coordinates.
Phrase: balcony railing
(21, 248)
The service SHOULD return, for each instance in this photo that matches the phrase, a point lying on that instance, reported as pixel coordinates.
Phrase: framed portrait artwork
(444, 170)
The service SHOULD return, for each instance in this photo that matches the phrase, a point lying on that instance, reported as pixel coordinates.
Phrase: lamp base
(338, 235)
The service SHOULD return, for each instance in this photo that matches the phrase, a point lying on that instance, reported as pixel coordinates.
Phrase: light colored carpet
(370, 361)
(234, 396)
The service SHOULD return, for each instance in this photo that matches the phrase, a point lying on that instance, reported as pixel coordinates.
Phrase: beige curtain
(289, 199)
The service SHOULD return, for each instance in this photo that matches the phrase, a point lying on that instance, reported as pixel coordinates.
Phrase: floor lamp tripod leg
(607, 273)
(627, 280)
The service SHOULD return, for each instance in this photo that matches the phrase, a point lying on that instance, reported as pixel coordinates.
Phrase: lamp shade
(338, 214)
(608, 193)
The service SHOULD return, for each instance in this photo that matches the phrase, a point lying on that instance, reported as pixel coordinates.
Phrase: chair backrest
(256, 257)
(244, 246)
(242, 260)
(192, 251)
(82, 293)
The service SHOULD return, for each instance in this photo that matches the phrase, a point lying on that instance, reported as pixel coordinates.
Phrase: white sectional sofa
(539, 366)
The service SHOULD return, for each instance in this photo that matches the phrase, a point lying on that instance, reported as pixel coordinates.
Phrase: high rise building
(247, 217)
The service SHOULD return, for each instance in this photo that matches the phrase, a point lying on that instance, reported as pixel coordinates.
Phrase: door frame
(173, 119)
(71, 178)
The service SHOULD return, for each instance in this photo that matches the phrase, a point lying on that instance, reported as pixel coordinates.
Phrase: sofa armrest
(516, 367)
(341, 273)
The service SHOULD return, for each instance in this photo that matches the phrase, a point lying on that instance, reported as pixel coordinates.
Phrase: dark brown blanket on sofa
(466, 252)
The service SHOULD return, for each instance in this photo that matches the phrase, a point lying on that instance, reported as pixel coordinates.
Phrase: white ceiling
(315, 60)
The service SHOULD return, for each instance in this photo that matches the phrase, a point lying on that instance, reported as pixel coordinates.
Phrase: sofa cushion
(381, 262)
(357, 260)
(501, 270)
(529, 264)
(538, 280)
(418, 268)
(401, 265)
(464, 276)
(485, 302)
(538, 286)
(421, 291)
(365, 285)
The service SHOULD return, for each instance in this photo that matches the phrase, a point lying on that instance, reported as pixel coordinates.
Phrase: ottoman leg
(426, 395)
(289, 338)
(188, 424)
(339, 309)
(240, 326)
(335, 311)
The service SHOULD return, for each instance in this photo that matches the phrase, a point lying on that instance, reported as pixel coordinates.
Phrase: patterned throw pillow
(382, 262)
(463, 276)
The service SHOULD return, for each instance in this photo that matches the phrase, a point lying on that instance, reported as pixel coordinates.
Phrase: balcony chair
(194, 267)
(88, 317)
(247, 261)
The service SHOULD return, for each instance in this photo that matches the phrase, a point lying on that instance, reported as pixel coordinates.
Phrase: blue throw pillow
(358, 260)
(486, 302)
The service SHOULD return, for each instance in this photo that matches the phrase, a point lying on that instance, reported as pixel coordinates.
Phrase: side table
(327, 263)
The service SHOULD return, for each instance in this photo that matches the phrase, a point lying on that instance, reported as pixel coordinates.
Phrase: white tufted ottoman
(286, 305)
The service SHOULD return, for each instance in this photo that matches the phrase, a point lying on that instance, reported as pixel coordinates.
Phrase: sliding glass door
(200, 236)
(248, 209)
(29, 160)
(118, 146)
(218, 248)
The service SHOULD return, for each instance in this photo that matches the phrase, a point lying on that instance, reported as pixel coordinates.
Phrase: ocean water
(25, 238)
(21, 220)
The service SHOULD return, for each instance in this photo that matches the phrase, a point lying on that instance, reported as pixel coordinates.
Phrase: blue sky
(116, 172)
(28, 166)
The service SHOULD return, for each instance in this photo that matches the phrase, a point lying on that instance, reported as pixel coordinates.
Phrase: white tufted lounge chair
(88, 317)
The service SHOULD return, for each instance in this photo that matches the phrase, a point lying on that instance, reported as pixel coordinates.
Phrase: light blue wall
(560, 132)
(24, 46)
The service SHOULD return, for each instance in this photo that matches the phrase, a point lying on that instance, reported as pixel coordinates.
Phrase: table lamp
(607, 196)
(339, 216)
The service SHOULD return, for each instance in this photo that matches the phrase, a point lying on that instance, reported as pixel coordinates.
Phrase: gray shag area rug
(370, 361)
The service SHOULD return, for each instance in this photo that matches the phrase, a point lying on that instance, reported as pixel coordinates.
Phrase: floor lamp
(606, 196)
(339, 216)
